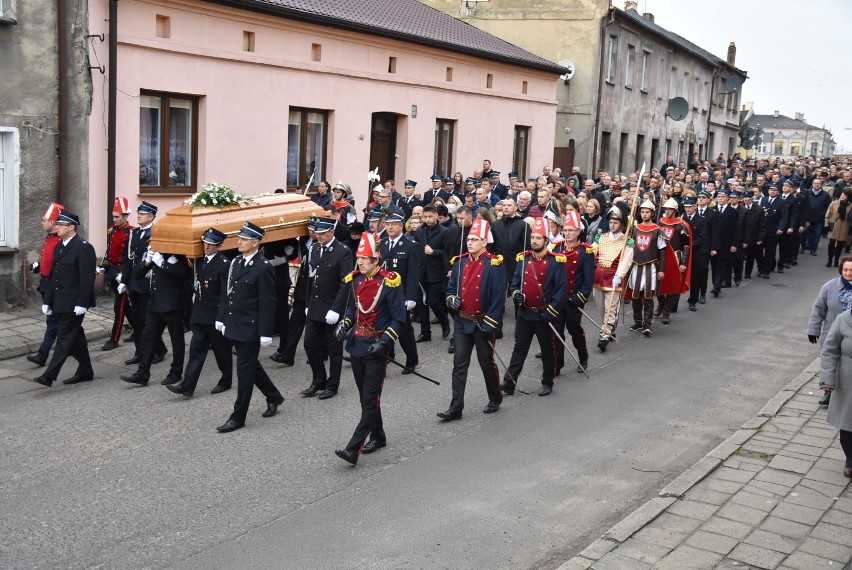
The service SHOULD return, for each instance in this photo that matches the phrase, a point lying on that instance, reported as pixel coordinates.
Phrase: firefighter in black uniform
(331, 261)
(373, 317)
(70, 292)
(247, 317)
(399, 253)
(210, 278)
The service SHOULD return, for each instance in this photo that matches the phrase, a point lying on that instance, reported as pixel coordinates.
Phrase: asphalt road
(112, 476)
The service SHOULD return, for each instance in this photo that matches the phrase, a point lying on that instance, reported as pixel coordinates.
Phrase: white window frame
(10, 170)
(611, 55)
(8, 13)
(629, 70)
(646, 70)
(661, 75)
(673, 84)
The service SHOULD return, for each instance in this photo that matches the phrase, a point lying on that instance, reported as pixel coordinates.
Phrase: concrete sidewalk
(772, 495)
(21, 331)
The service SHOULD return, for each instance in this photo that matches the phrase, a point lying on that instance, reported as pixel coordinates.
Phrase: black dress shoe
(277, 357)
(423, 338)
(491, 408)
(327, 394)
(602, 344)
(218, 389)
(702, 299)
(131, 338)
(109, 345)
(826, 398)
(311, 391)
(538, 355)
(76, 379)
(450, 415)
(780, 269)
(172, 378)
(766, 275)
(715, 292)
(737, 283)
(545, 390)
(373, 445)
(135, 378)
(158, 358)
(347, 456)
(271, 409)
(452, 348)
(230, 425)
(179, 389)
(43, 381)
(131, 361)
(847, 472)
(409, 368)
(582, 367)
(507, 389)
(34, 359)
(445, 331)
(692, 307)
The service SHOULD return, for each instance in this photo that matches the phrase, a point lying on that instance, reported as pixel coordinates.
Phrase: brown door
(383, 145)
(563, 157)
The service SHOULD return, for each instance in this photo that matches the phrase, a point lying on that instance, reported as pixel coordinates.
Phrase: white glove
(616, 281)
(331, 317)
(121, 288)
(35, 266)
(266, 341)
(148, 255)
(80, 310)
(171, 260)
(409, 305)
(306, 312)
(118, 277)
(158, 259)
(277, 260)
(220, 326)
(46, 310)
(99, 270)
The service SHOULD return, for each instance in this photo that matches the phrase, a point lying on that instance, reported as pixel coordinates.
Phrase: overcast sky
(797, 54)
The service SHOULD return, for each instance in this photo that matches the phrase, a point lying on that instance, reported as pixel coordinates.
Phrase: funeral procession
(425, 284)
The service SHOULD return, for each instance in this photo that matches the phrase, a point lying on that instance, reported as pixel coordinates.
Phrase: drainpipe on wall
(63, 40)
(708, 153)
(111, 110)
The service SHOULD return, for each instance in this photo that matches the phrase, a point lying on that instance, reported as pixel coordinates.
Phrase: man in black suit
(773, 208)
(752, 231)
(279, 254)
(431, 237)
(167, 276)
(700, 251)
(211, 278)
(436, 191)
(70, 292)
(331, 261)
(135, 281)
(286, 353)
(409, 201)
(725, 241)
(247, 317)
(710, 216)
(788, 243)
(399, 253)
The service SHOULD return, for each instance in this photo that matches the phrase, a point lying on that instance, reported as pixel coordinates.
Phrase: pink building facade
(260, 101)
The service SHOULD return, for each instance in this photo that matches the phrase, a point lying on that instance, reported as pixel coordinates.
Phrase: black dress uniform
(700, 255)
(726, 234)
(71, 284)
(752, 231)
(136, 281)
(287, 354)
(710, 215)
(373, 324)
(166, 276)
(401, 257)
(433, 275)
(773, 207)
(328, 266)
(211, 278)
(247, 311)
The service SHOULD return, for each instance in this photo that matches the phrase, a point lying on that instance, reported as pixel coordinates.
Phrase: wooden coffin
(281, 215)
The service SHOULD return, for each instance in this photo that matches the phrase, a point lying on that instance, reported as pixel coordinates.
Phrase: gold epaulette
(456, 258)
(561, 258)
(497, 260)
(392, 279)
(351, 276)
(590, 249)
(520, 256)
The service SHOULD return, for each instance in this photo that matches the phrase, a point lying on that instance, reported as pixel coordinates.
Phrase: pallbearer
(373, 318)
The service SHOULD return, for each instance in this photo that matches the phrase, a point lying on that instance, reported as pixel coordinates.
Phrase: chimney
(648, 16)
(775, 114)
(629, 5)
(800, 117)
(748, 106)
(732, 53)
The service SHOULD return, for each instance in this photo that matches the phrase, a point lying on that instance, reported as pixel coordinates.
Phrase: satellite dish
(677, 109)
(733, 84)
(570, 66)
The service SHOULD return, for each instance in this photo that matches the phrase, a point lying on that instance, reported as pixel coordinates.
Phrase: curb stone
(649, 511)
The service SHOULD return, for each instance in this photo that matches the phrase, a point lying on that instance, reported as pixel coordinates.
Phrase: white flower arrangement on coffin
(218, 195)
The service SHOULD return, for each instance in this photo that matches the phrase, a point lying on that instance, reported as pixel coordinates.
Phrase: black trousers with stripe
(369, 372)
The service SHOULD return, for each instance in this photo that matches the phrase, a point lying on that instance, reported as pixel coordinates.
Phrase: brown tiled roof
(407, 20)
